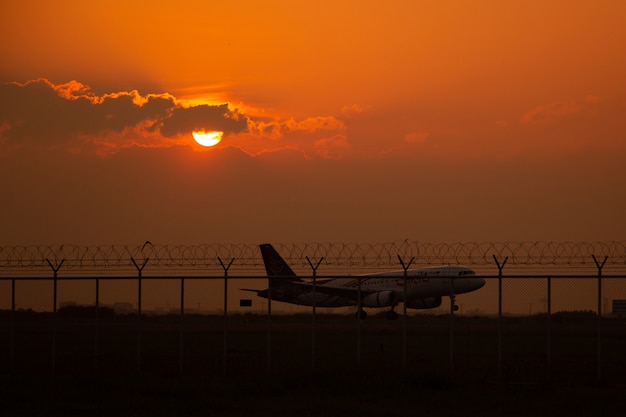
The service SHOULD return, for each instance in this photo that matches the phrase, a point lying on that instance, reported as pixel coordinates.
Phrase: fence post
(225, 348)
(269, 326)
(139, 273)
(55, 271)
(12, 325)
(549, 341)
(181, 348)
(404, 335)
(452, 307)
(358, 324)
(313, 325)
(599, 266)
(96, 352)
(500, 267)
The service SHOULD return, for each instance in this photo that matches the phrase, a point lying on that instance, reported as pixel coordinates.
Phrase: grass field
(370, 378)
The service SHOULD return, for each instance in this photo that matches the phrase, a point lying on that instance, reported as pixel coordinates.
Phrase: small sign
(619, 307)
(245, 303)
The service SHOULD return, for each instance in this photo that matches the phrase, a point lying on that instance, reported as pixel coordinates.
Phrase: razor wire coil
(343, 255)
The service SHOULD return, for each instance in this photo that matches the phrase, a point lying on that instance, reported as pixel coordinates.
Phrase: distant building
(619, 307)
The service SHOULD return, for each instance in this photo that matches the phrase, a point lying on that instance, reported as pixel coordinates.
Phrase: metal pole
(549, 341)
(224, 330)
(54, 324)
(139, 321)
(97, 335)
(313, 324)
(358, 325)
(404, 333)
(12, 324)
(600, 266)
(54, 312)
(451, 325)
(139, 273)
(269, 327)
(500, 267)
(181, 349)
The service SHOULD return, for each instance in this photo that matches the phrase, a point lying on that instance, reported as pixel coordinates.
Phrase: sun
(207, 138)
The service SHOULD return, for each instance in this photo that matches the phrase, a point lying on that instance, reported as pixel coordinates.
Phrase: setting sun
(207, 138)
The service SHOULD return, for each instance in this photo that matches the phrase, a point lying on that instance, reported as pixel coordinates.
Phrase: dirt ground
(247, 365)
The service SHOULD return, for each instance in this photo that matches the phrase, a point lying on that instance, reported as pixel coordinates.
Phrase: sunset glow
(433, 120)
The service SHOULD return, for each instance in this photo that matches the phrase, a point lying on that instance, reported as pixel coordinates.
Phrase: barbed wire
(376, 255)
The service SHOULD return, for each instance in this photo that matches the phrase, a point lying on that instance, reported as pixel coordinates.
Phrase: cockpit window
(466, 272)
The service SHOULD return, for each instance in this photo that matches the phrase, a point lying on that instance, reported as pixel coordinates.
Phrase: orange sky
(344, 121)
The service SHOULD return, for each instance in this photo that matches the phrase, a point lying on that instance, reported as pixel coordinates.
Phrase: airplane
(425, 286)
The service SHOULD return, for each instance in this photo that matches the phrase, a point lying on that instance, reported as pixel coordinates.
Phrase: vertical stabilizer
(274, 264)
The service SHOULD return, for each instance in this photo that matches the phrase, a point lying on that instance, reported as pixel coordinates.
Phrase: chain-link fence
(547, 311)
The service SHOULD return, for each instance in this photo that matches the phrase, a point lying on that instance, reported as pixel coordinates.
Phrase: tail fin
(274, 264)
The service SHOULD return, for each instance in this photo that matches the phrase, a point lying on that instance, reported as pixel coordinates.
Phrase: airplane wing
(345, 292)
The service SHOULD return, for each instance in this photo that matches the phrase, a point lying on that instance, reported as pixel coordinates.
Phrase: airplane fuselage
(382, 289)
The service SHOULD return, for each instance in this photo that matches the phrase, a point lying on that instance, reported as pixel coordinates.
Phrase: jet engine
(423, 303)
(379, 299)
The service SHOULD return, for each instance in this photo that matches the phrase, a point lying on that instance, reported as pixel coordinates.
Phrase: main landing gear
(455, 307)
(389, 315)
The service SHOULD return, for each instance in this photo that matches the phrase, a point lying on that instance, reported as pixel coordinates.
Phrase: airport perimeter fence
(548, 311)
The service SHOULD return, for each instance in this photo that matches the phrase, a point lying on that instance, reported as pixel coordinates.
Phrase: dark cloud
(40, 111)
(203, 117)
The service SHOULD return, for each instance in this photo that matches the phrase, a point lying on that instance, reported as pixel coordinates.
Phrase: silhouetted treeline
(87, 312)
(73, 312)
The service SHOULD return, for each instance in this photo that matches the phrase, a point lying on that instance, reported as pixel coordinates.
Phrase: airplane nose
(480, 282)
